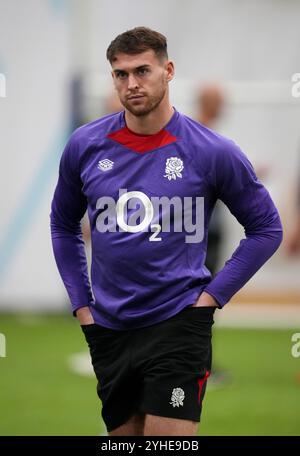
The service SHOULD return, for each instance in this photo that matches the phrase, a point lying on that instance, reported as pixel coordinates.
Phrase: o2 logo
(149, 213)
(134, 212)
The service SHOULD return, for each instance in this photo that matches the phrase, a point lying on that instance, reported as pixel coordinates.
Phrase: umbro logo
(105, 165)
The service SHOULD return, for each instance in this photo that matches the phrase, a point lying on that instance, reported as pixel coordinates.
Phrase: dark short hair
(136, 41)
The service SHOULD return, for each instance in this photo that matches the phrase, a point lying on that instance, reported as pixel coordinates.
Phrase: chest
(168, 171)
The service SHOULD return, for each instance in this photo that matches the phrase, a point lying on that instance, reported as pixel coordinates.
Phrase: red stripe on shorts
(201, 383)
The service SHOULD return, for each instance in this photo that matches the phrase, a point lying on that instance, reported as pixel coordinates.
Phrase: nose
(132, 82)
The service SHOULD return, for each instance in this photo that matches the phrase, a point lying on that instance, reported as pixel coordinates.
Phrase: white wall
(227, 39)
(34, 117)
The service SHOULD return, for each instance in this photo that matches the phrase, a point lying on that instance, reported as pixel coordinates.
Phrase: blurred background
(237, 66)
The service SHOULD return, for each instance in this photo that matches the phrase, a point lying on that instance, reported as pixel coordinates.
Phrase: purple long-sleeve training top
(149, 200)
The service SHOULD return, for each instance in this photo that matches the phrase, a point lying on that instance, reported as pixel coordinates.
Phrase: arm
(249, 201)
(67, 209)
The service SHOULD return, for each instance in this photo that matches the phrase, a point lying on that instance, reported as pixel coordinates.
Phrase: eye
(143, 71)
(121, 75)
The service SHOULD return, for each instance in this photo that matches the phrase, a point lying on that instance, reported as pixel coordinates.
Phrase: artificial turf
(41, 395)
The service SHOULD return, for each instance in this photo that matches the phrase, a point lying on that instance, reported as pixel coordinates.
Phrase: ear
(170, 70)
(113, 77)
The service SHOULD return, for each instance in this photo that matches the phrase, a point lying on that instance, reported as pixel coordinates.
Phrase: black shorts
(161, 369)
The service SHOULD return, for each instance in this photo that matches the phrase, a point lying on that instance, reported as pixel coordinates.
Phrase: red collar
(142, 143)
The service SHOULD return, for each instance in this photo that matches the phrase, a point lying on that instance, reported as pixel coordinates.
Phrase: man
(210, 106)
(211, 100)
(141, 173)
(293, 239)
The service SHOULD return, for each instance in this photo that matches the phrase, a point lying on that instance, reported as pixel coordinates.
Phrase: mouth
(135, 97)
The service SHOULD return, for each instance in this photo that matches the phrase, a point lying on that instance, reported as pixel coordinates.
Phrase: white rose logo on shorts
(177, 397)
(174, 166)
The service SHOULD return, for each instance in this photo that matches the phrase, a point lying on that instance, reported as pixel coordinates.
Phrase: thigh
(134, 426)
(159, 425)
(117, 386)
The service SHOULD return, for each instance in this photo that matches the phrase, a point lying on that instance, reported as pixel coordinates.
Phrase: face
(141, 81)
(212, 101)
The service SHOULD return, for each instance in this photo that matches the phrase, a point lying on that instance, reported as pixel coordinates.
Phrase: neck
(150, 123)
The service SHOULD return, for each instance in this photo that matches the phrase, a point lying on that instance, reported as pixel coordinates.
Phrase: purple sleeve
(67, 209)
(249, 201)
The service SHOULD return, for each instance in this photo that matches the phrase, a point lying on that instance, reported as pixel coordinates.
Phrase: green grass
(264, 397)
(40, 395)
